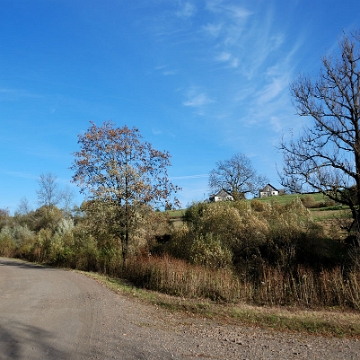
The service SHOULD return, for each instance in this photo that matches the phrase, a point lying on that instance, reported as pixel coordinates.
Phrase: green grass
(176, 213)
(335, 322)
(332, 214)
(284, 199)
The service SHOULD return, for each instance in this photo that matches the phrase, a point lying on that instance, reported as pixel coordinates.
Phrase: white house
(268, 190)
(222, 195)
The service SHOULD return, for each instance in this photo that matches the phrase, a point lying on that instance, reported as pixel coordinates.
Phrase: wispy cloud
(169, 72)
(226, 57)
(198, 176)
(196, 98)
(220, 6)
(213, 30)
(156, 131)
(187, 9)
(19, 174)
(7, 94)
(249, 43)
(273, 89)
(243, 36)
(166, 71)
(238, 12)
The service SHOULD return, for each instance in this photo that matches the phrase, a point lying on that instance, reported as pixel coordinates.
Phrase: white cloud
(238, 12)
(169, 72)
(228, 58)
(198, 176)
(20, 174)
(213, 5)
(156, 131)
(187, 10)
(234, 11)
(165, 70)
(234, 63)
(224, 56)
(276, 124)
(273, 89)
(197, 100)
(16, 94)
(213, 30)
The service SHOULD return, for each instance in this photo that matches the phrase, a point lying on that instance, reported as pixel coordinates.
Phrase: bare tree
(116, 167)
(237, 176)
(67, 198)
(23, 207)
(326, 156)
(49, 193)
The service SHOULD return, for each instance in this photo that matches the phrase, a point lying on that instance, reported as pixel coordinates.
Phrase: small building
(222, 195)
(268, 190)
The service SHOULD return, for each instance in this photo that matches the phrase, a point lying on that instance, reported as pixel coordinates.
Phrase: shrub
(7, 244)
(308, 200)
(209, 251)
(258, 205)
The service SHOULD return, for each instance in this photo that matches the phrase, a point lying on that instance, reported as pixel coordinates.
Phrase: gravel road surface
(48, 313)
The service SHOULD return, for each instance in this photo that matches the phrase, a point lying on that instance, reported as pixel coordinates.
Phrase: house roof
(269, 187)
(222, 193)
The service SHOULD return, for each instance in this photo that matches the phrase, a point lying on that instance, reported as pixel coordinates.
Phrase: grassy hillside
(322, 210)
(283, 199)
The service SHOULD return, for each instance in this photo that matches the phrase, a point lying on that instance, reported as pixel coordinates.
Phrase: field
(319, 210)
(283, 199)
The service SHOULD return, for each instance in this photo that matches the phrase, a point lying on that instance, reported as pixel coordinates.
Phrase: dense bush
(199, 249)
(263, 253)
(7, 243)
(243, 235)
(308, 200)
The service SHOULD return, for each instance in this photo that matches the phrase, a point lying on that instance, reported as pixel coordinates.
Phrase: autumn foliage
(123, 174)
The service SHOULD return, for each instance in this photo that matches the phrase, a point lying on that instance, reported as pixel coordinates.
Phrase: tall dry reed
(301, 287)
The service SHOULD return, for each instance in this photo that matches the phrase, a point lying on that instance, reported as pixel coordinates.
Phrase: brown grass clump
(303, 288)
(176, 277)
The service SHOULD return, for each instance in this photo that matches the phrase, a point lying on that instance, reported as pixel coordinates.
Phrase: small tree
(4, 218)
(23, 207)
(326, 157)
(237, 176)
(116, 167)
(49, 193)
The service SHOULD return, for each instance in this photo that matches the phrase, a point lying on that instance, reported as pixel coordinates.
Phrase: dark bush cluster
(245, 235)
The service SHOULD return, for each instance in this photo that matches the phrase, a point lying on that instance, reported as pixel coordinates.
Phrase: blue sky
(202, 79)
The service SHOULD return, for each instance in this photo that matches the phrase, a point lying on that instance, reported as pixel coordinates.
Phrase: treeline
(262, 253)
(82, 239)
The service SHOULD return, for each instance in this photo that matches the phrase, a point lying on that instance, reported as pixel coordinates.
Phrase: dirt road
(48, 313)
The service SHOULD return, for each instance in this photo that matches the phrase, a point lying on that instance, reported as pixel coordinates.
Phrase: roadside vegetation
(291, 252)
(253, 262)
(255, 252)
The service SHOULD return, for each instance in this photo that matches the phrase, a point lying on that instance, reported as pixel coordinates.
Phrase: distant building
(268, 190)
(222, 195)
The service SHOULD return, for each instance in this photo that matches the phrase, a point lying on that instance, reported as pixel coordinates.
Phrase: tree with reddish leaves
(116, 168)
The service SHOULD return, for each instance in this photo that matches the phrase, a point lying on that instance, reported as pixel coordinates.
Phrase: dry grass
(176, 277)
(300, 287)
(336, 322)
